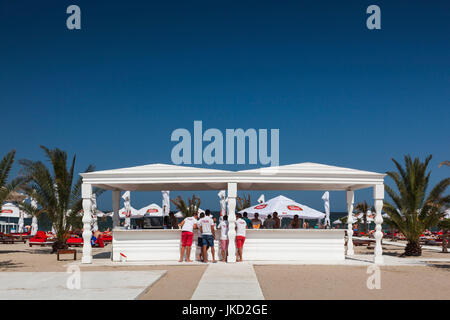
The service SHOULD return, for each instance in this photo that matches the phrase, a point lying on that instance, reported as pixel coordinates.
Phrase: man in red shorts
(241, 226)
(187, 234)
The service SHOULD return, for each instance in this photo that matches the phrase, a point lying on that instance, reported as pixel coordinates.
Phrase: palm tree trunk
(413, 249)
(365, 223)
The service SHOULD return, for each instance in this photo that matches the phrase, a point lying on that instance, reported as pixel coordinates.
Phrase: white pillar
(378, 196)
(350, 201)
(232, 193)
(86, 193)
(116, 208)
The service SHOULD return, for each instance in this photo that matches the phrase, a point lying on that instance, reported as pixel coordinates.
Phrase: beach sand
(288, 282)
(276, 281)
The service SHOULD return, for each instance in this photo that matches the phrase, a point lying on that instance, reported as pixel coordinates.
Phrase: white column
(86, 193)
(378, 196)
(116, 208)
(350, 201)
(232, 193)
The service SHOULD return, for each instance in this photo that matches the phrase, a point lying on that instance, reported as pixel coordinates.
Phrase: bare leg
(240, 254)
(181, 254)
(205, 255)
(188, 254)
(213, 253)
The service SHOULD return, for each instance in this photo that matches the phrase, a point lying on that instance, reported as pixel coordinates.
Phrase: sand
(287, 282)
(276, 281)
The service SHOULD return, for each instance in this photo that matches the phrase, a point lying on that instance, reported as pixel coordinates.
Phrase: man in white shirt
(240, 236)
(207, 229)
(223, 226)
(200, 238)
(187, 234)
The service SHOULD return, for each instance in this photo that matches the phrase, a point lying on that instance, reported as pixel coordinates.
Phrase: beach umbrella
(285, 207)
(261, 199)
(326, 203)
(166, 202)
(94, 221)
(127, 205)
(223, 203)
(152, 210)
(34, 220)
(180, 214)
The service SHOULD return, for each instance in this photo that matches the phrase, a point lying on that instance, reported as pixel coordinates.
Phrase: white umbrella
(34, 221)
(152, 210)
(94, 222)
(223, 203)
(180, 214)
(326, 203)
(166, 202)
(127, 205)
(285, 207)
(261, 199)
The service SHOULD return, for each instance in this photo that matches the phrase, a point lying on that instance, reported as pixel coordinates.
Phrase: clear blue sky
(340, 94)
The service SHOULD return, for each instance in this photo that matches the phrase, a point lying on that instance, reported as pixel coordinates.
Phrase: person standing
(240, 237)
(256, 221)
(223, 226)
(247, 221)
(277, 221)
(187, 234)
(173, 221)
(208, 232)
(295, 223)
(269, 223)
(200, 238)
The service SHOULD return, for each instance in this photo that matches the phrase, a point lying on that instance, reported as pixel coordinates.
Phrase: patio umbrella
(261, 199)
(34, 220)
(152, 210)
(94, 212)
(127, 205)
(285, 207)
(166, 202)
(326, 203)
(223, 203)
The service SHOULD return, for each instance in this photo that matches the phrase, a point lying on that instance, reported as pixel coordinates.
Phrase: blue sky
(340, 94)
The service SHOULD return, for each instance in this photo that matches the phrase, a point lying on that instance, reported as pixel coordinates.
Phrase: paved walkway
(229, 281)
(94, 285)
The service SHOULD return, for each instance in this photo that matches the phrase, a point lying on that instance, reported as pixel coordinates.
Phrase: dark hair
(256, 213)
(225, 218)
(269, 216)
(296, 216)
(275, 213)
(239, 215)
(245, 214)
(207, 212)
(202, 214)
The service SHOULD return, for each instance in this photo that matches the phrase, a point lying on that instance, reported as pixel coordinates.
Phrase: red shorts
(240, 241)
(186, 238)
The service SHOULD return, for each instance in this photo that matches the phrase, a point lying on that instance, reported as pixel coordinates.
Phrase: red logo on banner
(152, 210)
(296, 208)
(261, 206)
(7, 211)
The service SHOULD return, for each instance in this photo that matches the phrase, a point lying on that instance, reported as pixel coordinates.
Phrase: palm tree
(413, 210)
(444, 224)
(243, 203)
(54, 191)
(363, 207)
(7, 189)
(187, 209)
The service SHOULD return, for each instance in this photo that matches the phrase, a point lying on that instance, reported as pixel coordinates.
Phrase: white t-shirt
(189, 224)
(198, 227)
(223, 226)
(206, 224)
(241, 225)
